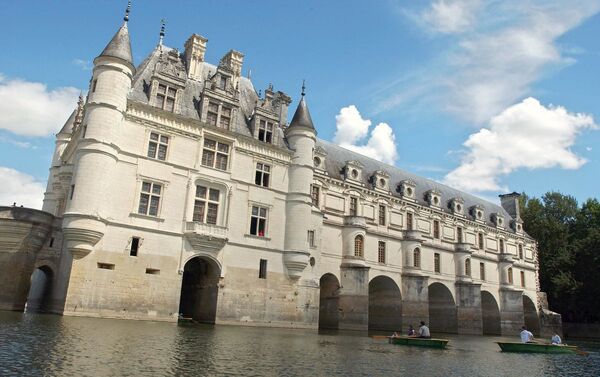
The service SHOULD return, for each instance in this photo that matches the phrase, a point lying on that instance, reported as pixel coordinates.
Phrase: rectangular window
(314, 194)
(381, 252)
(523, 279)
(409, 220)
(353, 206)
(206, 205)
(135, 244)
(152, 271)
(157, 146)
(311, 238)
(94, 85)
(262, 175)
(258, 221)
(215, 154)
(265, 131)
(468, 267)
(520, 251)
(482, 271)
(262, 270)
(165, 97)
(222, 82)
(72, 192)
(480, 241)
(436, 263)
(381, 215)
(510, 276)
(51, 243)
(150, 198)
(225, 119)
(436, 229)
(459, 235)
(106, 266)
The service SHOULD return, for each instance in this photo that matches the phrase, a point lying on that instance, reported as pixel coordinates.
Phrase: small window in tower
(353, 206)
(480, 241)
(315, 195)
(135, 245)
(436, 229)
(262, 174)
(311, 238)
(510, 275)
(436, 263)
(359, 246)
(501, 245)
(468, 267)
(409, 221)
(262, 270)
(51, 243)
(523, 279)
(94, 85)
(381, 252)
(258, 221)
(482, 271)
(381, 215)
(265, 131)
(72, 192)
(459, 235)
(520, 251)
(417, 258)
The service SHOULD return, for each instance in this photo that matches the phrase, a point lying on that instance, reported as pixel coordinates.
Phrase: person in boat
(411, 330)
(526, 335)
(395, 335)
(423, 332)
(556, 339)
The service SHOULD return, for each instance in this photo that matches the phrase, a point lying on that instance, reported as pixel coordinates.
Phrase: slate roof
(119, 46)
(302, 116)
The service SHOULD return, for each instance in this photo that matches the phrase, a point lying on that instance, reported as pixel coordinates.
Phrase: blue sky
(488, 96)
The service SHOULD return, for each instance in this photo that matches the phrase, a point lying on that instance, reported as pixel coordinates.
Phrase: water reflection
(50, 345)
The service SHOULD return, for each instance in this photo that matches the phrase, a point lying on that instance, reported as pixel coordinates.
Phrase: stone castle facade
(179, 192)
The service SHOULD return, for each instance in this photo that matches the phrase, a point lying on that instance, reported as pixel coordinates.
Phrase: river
(50, 345)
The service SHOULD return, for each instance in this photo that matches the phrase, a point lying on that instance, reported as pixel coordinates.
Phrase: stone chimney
(195, 47)
(233, 60)
(510, 202)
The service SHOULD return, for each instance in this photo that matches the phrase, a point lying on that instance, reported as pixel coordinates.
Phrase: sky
(489, 97)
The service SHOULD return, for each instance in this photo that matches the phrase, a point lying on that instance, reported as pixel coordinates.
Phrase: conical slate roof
(119, 46)
(302, 117)
(68, 127)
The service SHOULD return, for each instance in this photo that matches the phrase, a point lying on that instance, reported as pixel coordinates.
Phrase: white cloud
(351, 128)
(31, 109)
(527, 135)
(85, 65)
(20, 188)
(20, 144)
(451, 16)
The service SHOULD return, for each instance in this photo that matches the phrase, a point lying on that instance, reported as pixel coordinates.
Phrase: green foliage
(568, 239)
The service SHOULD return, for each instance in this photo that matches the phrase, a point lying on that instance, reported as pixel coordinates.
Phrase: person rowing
(526, 335)
(423, 332)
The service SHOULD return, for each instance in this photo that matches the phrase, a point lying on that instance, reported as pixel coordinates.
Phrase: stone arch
(530, 316)
(490, 313)
(385, 304)
(199, 289)
(329, 301)
(39, 297)
(442, 309)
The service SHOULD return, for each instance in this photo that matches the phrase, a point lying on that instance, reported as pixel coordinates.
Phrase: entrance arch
(530, 316)
(199, 290)
(442, 309)
(385, 305)
(329, 302)
(40, 290)
(490, 313)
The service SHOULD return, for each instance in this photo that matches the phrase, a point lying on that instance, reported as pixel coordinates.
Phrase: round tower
(301, 136)
(96, 156)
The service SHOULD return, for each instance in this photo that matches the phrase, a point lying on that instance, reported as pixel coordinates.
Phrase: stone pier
(511, 311)
(354, 298)
(468, 313)
(415, 300)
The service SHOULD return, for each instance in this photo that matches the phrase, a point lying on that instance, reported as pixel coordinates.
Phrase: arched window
(358, 246)
(417, 258)
(510, 275)
(468, 267)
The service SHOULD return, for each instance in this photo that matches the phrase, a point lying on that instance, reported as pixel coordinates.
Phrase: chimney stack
(195, 47)
(510, 202)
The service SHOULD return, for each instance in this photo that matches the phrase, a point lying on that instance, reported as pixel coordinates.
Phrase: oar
(379, 336)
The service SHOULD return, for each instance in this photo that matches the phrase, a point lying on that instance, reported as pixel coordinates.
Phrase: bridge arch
(200, 289)
(442, 309)
(329, 301)
(490, 313)
(530, 316)
(39, 297)
(385, 304)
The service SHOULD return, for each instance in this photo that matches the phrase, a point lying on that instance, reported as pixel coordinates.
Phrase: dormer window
(265, 131)
(433, 197)
(218, 115)
(497, 219)
(407, 189)
(353, 170)
(456, 206)
(477, 212)
(165, 97)
(222, 83)
(354, 173)
(317, 162)
(380, 179)
(319, 158)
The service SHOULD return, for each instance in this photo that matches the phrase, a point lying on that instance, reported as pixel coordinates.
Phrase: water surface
(49, 345)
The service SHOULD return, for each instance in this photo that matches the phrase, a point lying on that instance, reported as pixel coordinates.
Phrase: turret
(96, 156)
(301, 137)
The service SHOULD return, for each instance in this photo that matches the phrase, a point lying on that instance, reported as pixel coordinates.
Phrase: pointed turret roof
(67, 129)
(120, 45)
(302, 115)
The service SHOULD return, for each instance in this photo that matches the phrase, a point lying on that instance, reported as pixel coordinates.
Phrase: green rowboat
(535, 348)
(419, 342)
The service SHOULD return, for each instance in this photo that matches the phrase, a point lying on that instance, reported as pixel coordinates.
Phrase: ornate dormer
(353, 171)
(477, 212)
(457, 206)
(319, 158)
(433, 197)
(497, 219)
(380, 180)
(168, 80)
(517, 226)
(407, 189)
(266, 116)
(230, 68)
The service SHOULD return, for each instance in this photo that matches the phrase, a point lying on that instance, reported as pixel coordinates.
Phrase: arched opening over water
(442, 309)
(385, 305)
(530, 315)
(199, 290)
(490, 314)
(40, 290)
(329, 302)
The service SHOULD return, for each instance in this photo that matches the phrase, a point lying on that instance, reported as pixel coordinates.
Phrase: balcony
(355, 221)
(206, 237)
(463, 247)
(412, 235)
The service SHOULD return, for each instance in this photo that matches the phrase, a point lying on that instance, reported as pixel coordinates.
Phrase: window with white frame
(265, 131)
(258, 221)
(381, 252)
(150, 198)
(215, 154)
(262, 175)
(165, 97)
(206, 205)
(157, 146)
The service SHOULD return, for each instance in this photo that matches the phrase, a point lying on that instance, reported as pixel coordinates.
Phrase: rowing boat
(419, 342)
(536, 348)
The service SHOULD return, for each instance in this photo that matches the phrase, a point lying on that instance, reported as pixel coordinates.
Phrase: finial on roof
(249, 74)
(126, 18)
(162, 32)
(303, 88)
